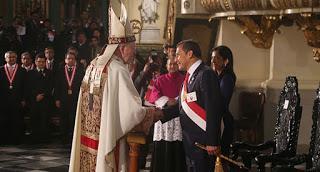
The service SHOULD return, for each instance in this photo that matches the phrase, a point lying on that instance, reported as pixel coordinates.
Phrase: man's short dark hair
(40, 56)
(73, 48)
(70, 53)
(190, 45)
(49, 48)
(26, 54)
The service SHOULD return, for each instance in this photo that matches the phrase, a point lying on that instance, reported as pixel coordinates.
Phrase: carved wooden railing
(135, 140)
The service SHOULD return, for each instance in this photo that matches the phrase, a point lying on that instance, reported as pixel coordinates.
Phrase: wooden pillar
(134, 140)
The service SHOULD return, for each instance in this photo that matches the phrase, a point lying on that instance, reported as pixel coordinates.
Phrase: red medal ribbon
(69, 80)
(11, 77)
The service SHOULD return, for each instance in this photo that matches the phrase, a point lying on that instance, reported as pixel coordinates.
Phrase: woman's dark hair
(226, 53)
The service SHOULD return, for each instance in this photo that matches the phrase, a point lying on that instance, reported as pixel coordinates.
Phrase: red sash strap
(195, 112)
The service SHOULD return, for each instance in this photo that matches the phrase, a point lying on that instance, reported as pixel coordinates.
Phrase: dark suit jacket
(61, 85)
(40, 84)
(83, 51)
(205, 83)
(12, 97)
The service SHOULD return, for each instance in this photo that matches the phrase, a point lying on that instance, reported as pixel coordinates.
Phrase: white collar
(50, 61)
(11, 66)
(39, 69)
(193, 68)
(69, 66)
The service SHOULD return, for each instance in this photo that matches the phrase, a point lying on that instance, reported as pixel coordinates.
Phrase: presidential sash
(195, 112)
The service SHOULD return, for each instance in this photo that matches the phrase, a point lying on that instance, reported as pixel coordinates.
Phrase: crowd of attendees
(41, 72)
(35, 33)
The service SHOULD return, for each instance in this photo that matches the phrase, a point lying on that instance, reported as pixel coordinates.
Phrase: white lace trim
(168, 131)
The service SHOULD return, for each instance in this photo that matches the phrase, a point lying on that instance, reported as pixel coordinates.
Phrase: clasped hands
(156, 113)
(152, 115)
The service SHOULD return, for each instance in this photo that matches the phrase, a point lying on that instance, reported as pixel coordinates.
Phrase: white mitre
(120, 31)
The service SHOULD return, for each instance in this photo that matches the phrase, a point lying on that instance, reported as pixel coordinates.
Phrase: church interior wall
(134, 13)
(266, 69)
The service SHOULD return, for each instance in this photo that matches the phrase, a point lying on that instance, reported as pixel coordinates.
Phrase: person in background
(12, 91)
(40, 87)
(168, 153)
(26, 61)
(152, 69)
(199, 108)
(83, 48)
(95, 48)
(222, 64)
(67, 86)
(51, 64)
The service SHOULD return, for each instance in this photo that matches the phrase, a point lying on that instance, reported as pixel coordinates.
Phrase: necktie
(186, 81)
(50, 65)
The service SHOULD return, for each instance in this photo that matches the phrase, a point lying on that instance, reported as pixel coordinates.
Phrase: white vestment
(109, 107)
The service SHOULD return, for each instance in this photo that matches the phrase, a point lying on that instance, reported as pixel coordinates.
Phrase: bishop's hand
(152, 115)
(156, 113)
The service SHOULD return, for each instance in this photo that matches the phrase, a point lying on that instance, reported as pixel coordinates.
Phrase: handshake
(152, 115)
(156, 113)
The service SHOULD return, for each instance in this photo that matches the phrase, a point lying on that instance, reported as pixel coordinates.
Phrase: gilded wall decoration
(170, 22)
(259, 29)
(260, 19)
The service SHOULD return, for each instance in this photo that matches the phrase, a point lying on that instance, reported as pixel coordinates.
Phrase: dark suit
(227, 84)
(68, 101)
(11, 118)
(205, 83)
(83, 51)
(40, 83)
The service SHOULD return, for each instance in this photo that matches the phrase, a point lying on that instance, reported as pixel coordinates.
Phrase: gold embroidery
(89, 150)
(87, 161)
(90, 124)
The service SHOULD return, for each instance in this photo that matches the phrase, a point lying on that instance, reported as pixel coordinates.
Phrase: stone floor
(52, 157)
(34, 158)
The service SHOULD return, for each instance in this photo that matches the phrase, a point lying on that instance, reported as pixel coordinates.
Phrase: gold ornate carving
(170, 23)
(310, 25)
(259, 29)
(260, 19)
(136, 26)
(316, 54)
(214, 6)
(291, 4)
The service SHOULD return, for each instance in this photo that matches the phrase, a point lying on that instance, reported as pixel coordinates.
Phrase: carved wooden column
(134, 141)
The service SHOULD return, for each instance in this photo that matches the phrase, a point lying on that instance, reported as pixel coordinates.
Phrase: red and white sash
(195, 112)
(69, 80)
(10, 75)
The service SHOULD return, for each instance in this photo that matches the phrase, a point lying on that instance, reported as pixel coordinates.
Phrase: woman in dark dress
(222, 64)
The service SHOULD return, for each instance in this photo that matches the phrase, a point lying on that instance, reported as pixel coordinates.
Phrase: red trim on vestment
(93, 144)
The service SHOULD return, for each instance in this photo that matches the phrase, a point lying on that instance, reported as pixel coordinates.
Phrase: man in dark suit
(12, 91)
(51, 63)
(68, 82)
(200, 108)
(41, 81)
(83, 48)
